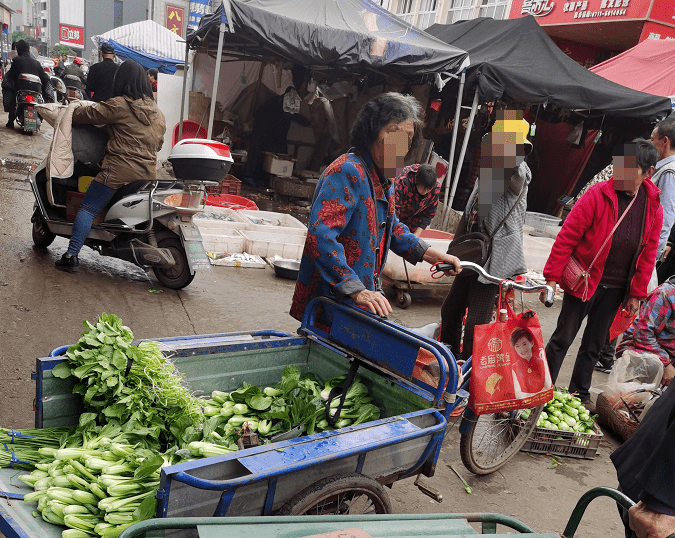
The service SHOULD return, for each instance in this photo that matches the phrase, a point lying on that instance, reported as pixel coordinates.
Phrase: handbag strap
(612, 232)
(520, 197)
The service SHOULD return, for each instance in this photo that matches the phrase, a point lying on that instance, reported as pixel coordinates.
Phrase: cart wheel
(403, 299)
(494, 439)
(339, 495)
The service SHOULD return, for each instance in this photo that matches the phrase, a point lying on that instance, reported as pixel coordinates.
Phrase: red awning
(647, 67)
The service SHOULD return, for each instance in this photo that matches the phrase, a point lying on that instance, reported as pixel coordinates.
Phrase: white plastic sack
(634, 371)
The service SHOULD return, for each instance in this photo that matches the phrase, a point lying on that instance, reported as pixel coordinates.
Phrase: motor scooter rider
(76, 69)
(24, 63)
(136, 129)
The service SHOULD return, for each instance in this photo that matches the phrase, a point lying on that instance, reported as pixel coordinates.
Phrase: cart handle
(506, 283)
(578, 512)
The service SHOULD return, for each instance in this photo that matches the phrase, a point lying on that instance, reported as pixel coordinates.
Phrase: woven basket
(609, 415)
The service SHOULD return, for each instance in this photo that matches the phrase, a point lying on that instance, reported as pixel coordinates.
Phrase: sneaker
(602, 368)
(10, 125)
(70, 264)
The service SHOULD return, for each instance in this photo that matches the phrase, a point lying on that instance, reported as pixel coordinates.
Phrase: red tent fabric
(647, 67)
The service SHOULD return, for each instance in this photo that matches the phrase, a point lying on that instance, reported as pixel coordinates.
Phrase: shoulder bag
(476, 247)
(574, 276)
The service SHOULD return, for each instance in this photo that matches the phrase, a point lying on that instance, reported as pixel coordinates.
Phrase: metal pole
(219, 57)
(453, 143)
(185, 73)
(465, 143)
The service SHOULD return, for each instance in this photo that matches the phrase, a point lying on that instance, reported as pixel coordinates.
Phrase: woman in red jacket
(622, 269)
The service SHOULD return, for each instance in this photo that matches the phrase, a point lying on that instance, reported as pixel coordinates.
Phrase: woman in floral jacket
(353, 221)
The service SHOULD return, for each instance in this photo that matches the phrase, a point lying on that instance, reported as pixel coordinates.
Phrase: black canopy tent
(340, 37)
(515, 60)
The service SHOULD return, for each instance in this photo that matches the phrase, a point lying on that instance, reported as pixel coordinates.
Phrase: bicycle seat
(430, 330)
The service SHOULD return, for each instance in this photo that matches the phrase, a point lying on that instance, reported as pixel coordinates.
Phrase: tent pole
(465, 143)
(446, 179)
(216, 76)
(182, 97)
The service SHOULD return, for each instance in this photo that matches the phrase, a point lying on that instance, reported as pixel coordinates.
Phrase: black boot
(70, 264)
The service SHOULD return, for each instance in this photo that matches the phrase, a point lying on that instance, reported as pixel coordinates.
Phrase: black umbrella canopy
(344, 36)
(515, 59)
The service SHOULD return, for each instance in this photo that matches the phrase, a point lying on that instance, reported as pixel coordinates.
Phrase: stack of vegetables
(566, 413)
(296, 400)
(101, 476)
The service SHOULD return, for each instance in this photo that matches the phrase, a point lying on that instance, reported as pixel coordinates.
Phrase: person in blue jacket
(353, 220)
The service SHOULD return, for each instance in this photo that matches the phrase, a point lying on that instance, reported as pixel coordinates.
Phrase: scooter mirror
(58, 84)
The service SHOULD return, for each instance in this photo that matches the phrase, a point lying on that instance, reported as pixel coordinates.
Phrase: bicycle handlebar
(496, 280)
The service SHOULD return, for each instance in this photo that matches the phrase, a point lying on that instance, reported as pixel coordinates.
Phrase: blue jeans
(95, 199)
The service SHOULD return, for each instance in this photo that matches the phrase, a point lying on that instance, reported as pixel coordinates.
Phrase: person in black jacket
(76, 69)
(645, 467)
(100, 76)
(24, 63)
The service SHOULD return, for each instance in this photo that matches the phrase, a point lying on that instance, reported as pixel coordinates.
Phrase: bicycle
(488, 442)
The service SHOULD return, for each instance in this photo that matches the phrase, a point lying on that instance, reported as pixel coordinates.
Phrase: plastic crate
(563, 443)
(273, 243)
(263, 221)
(229, 185)
(224, 241)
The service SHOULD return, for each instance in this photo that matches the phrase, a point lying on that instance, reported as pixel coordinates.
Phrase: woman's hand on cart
(374, 300)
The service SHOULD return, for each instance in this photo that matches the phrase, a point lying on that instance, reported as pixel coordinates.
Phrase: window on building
(493, 8)
(460, 10)
(407, 10)
(119, 13)
(427, 15)
(382, 3)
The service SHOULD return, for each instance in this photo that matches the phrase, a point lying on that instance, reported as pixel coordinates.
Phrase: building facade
(591, 31)
(424, 13)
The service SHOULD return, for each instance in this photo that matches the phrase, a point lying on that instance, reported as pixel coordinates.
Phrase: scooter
(147, 223)
(28, 94)
(74, 87)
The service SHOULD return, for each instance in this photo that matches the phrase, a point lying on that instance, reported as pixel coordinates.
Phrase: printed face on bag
(522, 341)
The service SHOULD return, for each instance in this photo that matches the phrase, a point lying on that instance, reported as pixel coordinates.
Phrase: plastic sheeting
(148, 43)
(345, 36)
(515, 59)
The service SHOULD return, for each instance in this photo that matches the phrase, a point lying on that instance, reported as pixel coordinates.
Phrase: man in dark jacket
(100, 76)
(24, 63)
(645, 467)
(76, 70)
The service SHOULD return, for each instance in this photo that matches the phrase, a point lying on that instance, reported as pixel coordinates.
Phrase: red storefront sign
(174, 19)
(663, 11)
(654, 30)
(71, 35)
(572, 11)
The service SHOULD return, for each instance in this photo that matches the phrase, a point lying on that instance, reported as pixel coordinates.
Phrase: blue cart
(411, 378)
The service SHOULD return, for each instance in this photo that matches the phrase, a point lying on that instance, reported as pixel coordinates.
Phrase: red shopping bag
(509, 369)
(620, 323)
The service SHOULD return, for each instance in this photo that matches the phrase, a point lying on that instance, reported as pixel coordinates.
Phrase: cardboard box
(278, 165)
(73, 201)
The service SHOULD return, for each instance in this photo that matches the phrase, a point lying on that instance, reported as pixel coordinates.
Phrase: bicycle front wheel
(492, 440)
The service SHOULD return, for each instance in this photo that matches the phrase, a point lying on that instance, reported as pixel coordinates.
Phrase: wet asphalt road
(42, 308)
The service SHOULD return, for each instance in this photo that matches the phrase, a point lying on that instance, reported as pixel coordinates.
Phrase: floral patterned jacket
(414, 210)
(351, 219)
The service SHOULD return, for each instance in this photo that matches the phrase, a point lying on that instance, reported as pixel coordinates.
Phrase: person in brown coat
(136, 129)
